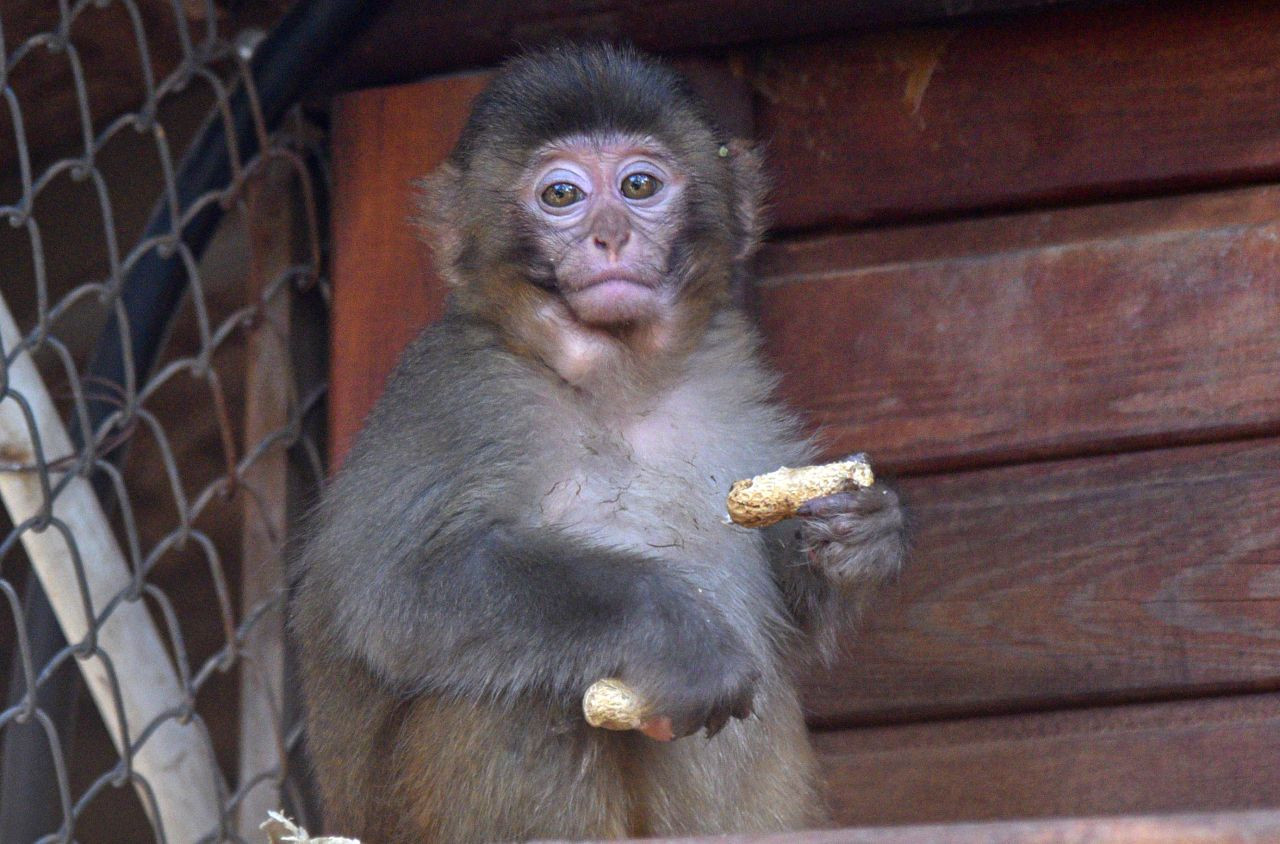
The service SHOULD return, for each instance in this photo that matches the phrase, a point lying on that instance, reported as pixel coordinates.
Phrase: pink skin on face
(606, 208)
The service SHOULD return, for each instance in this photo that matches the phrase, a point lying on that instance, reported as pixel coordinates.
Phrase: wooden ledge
(1259, 827)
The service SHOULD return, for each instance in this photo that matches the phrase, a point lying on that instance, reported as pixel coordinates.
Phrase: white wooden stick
(176, 761)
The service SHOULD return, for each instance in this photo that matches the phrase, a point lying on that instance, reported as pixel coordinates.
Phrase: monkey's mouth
(612, 277)
(612, 299)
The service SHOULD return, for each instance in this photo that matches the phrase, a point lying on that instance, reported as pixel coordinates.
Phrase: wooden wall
(1032, 265)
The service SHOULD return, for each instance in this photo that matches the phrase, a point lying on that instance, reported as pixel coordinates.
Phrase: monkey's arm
(830, 561)
(492, 610)
(425, 567)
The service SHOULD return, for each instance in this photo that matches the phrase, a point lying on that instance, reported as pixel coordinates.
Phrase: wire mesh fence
(149, 476)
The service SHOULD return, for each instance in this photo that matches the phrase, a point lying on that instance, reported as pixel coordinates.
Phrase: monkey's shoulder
(451, 425)
(455, 354)
(453, 374)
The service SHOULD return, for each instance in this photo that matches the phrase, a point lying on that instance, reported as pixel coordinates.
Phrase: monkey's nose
(611, 242)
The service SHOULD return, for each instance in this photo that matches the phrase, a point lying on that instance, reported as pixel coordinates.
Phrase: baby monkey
(537, 501)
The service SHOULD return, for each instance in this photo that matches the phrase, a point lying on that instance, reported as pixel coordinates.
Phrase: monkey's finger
(828, 505)
(689, 721)
(658, 728)
(716, 723)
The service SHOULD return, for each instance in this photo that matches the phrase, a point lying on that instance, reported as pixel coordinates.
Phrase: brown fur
(429, 770)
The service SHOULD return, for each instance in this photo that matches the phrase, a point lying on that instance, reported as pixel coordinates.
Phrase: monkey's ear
(749, 188)
(439, 200)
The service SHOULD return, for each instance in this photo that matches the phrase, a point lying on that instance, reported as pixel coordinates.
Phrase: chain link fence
(154, 451)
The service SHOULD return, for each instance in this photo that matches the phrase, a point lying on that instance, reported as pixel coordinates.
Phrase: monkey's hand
(856, 537)
(694, 674)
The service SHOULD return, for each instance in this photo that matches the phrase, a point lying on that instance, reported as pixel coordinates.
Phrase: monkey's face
(603, 213)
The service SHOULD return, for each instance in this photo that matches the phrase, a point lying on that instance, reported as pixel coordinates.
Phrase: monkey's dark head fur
(567, 90)
(480, 227)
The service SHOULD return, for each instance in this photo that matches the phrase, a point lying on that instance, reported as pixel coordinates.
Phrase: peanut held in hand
(767, 499)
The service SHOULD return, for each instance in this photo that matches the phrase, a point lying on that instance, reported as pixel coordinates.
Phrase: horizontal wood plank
(1130, 577)
(1207, 755)
(483, 32)
(1257, 827)
(1056, 107)
(1035, 335)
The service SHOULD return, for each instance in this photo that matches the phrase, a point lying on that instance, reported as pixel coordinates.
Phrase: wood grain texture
(483, 32)
(1256, 827)
(1129, 577)
(274, 220)
(1036, 335)
(384, 287)
(1207, 755)
(1055, 107)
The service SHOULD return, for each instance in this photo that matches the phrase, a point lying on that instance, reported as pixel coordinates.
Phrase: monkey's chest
(656, 492)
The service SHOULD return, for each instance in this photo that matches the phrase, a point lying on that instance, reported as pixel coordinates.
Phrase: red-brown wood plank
(384, 287)
(1053, 107)
(1131, 577)
(1035, 335)
(1256, 827)
(483, 32)
(1207, 755)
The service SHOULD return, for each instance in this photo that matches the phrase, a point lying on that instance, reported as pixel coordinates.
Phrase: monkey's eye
(640, 186)
(561, 194)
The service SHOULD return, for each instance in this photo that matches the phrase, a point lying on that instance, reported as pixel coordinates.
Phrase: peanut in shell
(767, 499)
(612, 705)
